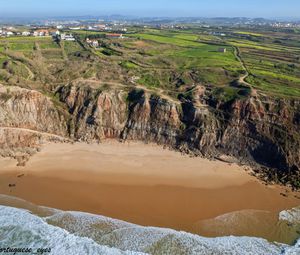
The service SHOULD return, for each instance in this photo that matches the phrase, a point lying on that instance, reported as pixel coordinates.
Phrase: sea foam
(83, 233)
(19, 228)
(292, 215)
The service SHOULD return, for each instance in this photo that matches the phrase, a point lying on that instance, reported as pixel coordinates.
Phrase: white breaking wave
(19, 228)
(292, 215)
(152, 240)
(83, 233)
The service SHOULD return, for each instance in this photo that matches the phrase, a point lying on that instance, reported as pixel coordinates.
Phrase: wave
(83, 233)
(291, 216)
(258, 223)
(20, 228)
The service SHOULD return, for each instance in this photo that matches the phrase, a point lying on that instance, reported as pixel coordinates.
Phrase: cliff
(257, 130)
(27, 120)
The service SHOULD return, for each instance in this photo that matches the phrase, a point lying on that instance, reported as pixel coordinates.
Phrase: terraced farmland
(169, 61)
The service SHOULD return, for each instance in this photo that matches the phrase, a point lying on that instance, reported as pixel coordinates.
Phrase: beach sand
(139, 183)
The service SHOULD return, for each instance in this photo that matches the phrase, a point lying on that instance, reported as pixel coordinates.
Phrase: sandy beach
(139, 183)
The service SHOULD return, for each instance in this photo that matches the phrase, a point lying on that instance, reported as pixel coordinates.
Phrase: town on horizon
(119, 24)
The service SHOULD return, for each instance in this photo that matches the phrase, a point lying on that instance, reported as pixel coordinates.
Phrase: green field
(172, 40)
(166, 60)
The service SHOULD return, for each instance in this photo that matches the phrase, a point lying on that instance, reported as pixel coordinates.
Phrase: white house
(67, 37)
(100, 27)
(75, 28)
(93, 43)
(25, 33)
(9, 33)
(41, 32)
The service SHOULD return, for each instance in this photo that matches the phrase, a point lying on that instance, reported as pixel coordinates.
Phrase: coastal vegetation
(169, 60)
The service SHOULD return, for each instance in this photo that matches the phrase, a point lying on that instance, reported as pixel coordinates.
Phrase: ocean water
(257, 223)
(28, 226)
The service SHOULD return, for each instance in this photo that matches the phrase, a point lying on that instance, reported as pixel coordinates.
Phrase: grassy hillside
(166, 61)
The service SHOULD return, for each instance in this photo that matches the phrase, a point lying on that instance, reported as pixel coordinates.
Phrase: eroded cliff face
(29, 109)
(256, 130)
(94, 114)
(28, 119)
(267, 131)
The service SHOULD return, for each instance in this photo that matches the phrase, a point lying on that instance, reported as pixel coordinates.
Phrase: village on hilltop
(65, 32)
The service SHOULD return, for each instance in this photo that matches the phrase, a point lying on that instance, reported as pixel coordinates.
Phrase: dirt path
(30, 73)
(35, 132)
(62, 46)
(242, 79)
(160, 92)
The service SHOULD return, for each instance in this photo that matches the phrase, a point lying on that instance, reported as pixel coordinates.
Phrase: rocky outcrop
(260, 131)
(95, 114)
(30, 109)
(27, 120)
(22, 143)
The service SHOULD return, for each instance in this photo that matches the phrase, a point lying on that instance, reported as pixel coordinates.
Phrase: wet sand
(139, 183)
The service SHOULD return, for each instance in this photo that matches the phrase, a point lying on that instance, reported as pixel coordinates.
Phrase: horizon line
(141, 17)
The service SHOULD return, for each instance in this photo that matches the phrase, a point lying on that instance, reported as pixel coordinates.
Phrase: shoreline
(130, 159)
(139, 183)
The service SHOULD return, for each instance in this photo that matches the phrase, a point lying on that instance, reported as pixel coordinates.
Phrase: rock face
(259, 131)
(21, 143)
(27, 120)
(94, 114)
(29, 109)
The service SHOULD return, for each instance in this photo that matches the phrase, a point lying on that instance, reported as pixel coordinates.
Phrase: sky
(152, 8)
